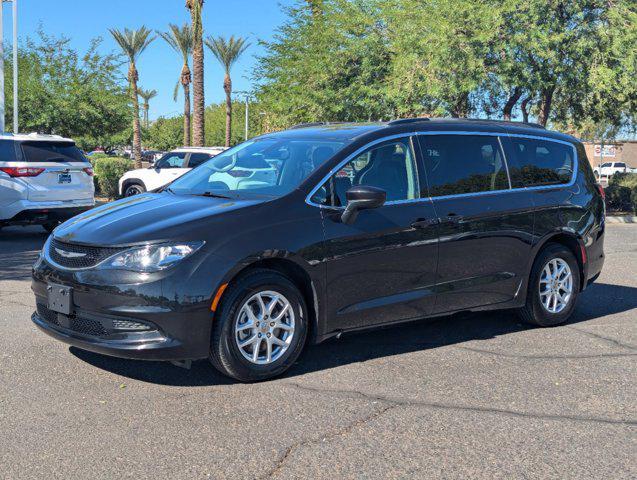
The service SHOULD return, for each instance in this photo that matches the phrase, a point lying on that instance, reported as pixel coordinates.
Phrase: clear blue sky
(159, 66)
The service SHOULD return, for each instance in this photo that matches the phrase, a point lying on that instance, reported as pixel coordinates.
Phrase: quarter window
(536, 162)
(460, 164)
(389, 166)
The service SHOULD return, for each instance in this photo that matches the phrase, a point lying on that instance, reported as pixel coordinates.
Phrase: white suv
(44, 179)
(609, 169)
(169, 167)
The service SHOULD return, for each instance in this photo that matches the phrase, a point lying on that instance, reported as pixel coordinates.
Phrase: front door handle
(424, 222)
(453, 218)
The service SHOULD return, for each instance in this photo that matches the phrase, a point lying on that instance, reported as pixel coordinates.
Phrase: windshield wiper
(212, 195)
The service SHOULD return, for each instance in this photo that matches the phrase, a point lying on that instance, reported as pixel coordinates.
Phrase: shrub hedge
(621, 193)
(108, 171)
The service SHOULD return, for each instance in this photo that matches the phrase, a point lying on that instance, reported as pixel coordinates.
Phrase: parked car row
(167, 168)
(47, 179)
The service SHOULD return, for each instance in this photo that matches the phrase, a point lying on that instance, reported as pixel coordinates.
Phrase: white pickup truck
(608, 169)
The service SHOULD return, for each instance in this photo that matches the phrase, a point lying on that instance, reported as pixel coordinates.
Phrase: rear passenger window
(459, 164)
(535, 162)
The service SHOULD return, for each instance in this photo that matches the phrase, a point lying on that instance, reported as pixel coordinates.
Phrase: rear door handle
(424, 222)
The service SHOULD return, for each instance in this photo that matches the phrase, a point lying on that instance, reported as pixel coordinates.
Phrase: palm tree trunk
(199, 104)
(186, 80)
(137, 134)
(186, 114)
(227, 86)
(146, 109)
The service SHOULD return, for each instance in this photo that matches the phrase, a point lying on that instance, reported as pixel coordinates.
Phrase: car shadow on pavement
(19, 248)
(598, 301)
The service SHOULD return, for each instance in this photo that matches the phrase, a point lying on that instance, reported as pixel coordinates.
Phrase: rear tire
(243, 317)
(540, 309)
(134, 189)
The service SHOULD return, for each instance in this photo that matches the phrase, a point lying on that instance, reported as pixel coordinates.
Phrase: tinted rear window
(51, 152)
(458, 164)
(536, 162)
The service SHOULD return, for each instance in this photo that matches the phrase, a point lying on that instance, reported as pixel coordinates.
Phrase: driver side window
(172, 160)
(389, 166)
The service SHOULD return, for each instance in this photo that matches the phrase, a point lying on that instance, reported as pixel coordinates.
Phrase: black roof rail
(401, 121)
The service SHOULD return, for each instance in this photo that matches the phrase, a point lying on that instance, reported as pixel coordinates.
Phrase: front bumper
(129, 320)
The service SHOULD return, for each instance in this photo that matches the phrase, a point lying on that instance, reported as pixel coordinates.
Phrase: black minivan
(345, 227)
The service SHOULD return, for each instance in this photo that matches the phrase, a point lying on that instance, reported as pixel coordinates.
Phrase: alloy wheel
(264, 328)
(556, 285)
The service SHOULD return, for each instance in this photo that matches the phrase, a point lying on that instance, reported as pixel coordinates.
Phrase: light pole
(247, 96)
(15, 67)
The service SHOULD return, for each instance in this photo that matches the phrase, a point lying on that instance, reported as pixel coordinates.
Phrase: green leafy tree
(165, 133)
(326, 64)
(133, 43)
(69, 93)
(227, 51)
(181, 40)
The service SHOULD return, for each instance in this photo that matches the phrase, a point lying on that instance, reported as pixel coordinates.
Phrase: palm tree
(133, 43)
(199, 104)
(180, 39)
(227, 52)
(147, 95)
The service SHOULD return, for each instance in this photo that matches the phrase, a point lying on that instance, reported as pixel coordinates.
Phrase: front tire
(134, 189)
(260, 327)
(553, 287)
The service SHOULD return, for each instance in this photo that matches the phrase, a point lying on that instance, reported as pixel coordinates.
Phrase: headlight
(152, 258)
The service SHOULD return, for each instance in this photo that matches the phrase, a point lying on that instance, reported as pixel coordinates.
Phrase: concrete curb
(621, 219)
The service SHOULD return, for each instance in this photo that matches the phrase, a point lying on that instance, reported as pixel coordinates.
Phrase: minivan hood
(146, 218)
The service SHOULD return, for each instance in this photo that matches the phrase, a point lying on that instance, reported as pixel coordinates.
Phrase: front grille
(86, 326)
(70, 255)
(94, 327)
(47, 315)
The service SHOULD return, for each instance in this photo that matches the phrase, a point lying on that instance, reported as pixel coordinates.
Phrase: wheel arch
(570, 240)
(128, 181)
(296, 273)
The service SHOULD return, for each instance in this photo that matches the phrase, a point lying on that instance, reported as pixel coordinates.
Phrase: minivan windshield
(271, 166)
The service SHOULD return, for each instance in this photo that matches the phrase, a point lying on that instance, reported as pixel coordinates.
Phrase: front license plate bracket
(60, 298)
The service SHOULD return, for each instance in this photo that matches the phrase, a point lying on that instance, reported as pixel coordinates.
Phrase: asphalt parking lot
(472, 396)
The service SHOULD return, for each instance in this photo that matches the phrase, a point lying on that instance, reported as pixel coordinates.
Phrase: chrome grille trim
(71, 256)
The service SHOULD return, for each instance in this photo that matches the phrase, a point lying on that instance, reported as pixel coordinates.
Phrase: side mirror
(362, 197)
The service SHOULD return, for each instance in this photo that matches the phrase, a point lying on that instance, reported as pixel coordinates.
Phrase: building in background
(617, 151)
